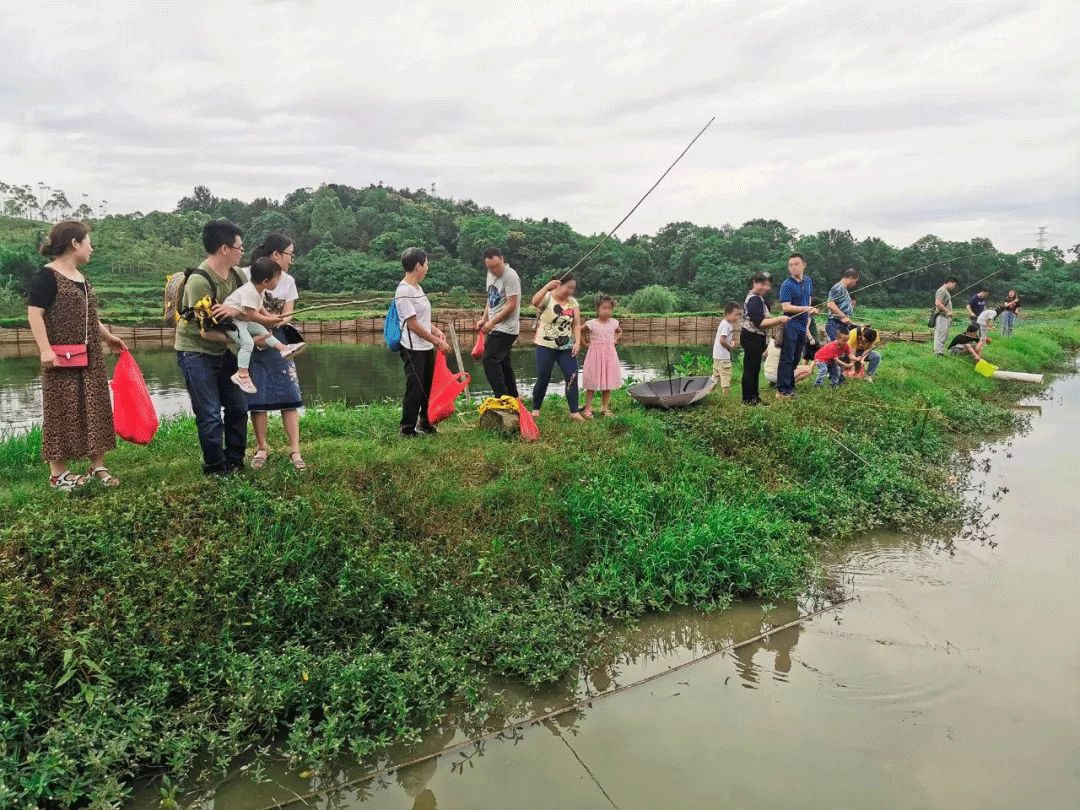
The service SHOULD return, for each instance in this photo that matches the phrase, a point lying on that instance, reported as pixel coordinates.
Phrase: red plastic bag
(134, 415)
(529, 431)
(445, 388)
(478, 347)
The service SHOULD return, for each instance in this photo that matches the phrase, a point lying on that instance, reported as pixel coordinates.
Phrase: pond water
(350, 373)
(952, 681)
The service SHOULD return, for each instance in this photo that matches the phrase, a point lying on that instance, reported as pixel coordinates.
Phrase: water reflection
(349, 373)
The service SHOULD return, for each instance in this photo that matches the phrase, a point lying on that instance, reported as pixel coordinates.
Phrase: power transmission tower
(1042, 237)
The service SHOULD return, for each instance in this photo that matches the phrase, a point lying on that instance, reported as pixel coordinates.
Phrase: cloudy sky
(890, 119)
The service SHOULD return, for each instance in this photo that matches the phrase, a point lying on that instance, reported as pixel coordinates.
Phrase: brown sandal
(258, 461)
(297, 461)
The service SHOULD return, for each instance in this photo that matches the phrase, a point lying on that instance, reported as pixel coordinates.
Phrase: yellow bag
(498, 404)
(986, 369)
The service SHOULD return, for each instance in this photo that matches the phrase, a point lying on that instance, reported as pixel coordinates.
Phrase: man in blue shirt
(976, 305)
(795, 295)
(839, 303)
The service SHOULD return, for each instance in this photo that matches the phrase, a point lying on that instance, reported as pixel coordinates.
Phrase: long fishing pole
(960, 292)
(652, 188)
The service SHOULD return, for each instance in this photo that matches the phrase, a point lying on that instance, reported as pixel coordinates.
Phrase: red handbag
(71, 355)
(76, 355)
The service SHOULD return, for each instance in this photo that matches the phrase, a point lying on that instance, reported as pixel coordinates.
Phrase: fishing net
(446, 386)
(134, 415)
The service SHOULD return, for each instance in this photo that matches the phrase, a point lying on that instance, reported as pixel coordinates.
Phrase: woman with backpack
(274, 376)
(63, 316)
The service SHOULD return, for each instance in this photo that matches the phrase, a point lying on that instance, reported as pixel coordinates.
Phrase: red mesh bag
(478, 347)
(529, 431)
(134, 414)
(446, 386)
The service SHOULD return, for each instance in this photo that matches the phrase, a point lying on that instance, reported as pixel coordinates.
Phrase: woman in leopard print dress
(75, 401)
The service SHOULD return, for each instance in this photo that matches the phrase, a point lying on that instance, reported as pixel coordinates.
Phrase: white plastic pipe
(1018, 376)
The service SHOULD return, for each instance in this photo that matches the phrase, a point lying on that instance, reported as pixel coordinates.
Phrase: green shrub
(653, 298)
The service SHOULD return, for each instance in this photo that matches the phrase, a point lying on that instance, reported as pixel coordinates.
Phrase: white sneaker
(293, 349)
(245, 384)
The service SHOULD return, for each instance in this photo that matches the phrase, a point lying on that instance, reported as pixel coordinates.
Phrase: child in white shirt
(722, 346)
(985, 322)
(255, 321)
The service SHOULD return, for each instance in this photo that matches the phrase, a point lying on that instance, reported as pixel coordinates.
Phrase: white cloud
(955, 119)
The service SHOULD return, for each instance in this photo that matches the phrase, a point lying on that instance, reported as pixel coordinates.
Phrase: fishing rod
(652, 188)
(960, 292)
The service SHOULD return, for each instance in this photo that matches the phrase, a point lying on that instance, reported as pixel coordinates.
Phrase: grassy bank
(145, 627)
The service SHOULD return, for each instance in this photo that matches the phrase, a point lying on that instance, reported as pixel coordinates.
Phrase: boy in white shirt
(985, 321)
(256, 321)
(722, 346)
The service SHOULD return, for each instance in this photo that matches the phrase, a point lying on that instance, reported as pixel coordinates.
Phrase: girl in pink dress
(602, 371)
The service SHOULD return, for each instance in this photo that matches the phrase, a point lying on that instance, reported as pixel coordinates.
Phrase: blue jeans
(223, 440)
(790, 352)
(546, 359)
(872, 361)
(1008, 320)
(833, 369)
(832, 328)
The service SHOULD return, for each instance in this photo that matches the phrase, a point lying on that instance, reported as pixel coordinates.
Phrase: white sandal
(66, 481)
(106, 478)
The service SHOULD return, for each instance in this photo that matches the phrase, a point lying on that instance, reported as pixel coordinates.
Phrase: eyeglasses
(237, 247)
(288, 252)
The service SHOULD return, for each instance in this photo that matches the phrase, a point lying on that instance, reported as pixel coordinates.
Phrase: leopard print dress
(75, 402)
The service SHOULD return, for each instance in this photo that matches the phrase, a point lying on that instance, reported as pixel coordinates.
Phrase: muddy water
(953, 681)
(355, 374)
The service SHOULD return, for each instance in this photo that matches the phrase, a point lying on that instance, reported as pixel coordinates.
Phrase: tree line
(348, 240)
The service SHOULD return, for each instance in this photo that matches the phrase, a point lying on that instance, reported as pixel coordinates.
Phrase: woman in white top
(419, 340)
(274, 377)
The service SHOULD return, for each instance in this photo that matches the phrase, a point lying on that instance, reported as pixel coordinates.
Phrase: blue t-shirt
(798, 294)
(840, 296)
(977, 305)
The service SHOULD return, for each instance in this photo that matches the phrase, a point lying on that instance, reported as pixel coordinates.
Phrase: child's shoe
(293, 349)
(244, 383)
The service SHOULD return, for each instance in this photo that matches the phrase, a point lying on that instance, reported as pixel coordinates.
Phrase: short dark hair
(264, 269)
(851, 272)
(492, 252)
(564, 279)
(60, 237)
(971, 328)
(984, 290)
(952, 280)
(730, 307)
(760, 277)
(797, 256)
(412, 257)
(868, 333)
(605, 299)
(843, 328)
(273, 243)
(218, 232)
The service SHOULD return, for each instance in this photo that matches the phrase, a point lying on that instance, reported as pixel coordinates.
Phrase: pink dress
(602, 371)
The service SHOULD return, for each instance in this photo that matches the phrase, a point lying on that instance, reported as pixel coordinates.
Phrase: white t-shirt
(986, 317)
(725, 330)
(413, 302)
(285, 290)
(772, 362)
(499, 291)
(245, 297)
